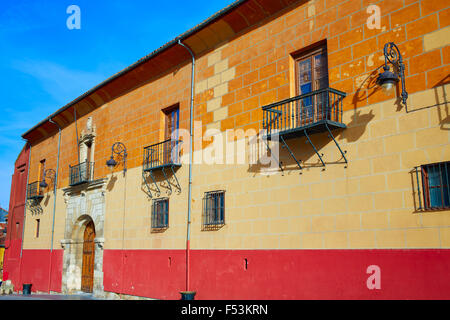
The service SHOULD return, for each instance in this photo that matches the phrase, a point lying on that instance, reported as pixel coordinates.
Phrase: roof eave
(139, 62)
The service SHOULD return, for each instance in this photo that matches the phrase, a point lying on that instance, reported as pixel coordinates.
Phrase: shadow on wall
(47, 199)
(34, 206)
(357, 126)
(111, 183)
(301, 148)
(359, 121)
(306, 154)
(442, 107)
(163, 181)
(440, 102)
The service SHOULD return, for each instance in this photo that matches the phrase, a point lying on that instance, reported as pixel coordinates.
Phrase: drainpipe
(55, 183)
(188, 236)
(123, 235)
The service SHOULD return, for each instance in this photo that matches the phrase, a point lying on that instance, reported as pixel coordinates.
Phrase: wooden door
(172, 125)
(87, 276)
(312, 75)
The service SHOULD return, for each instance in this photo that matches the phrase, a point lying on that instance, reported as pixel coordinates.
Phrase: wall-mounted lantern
(119, 149)
(388, 79)
(50, 173)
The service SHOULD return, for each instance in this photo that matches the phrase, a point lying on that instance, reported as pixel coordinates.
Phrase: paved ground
(48, 297)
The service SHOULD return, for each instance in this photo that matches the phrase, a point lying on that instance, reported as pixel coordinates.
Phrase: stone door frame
(84, 203)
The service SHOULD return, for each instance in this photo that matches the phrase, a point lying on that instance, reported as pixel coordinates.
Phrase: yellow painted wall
(371, 203)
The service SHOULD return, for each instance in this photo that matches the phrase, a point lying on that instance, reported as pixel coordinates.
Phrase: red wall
(147, 273)
(33, 266)
(270, 274)
(281, 274)
(13, 241)
(35, 270)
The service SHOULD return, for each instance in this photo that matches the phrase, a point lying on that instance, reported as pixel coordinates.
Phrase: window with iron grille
(435, 185)
(213, 210)
(160, 214)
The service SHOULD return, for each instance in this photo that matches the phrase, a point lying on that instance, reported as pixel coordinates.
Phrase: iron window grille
(435, 185)
(213, 216)
(81, 173)
(160, 215)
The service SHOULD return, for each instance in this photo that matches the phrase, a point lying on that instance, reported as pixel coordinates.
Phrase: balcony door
(311, 75)
(171, 133)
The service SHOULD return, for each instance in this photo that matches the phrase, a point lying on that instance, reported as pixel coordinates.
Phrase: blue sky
(44, 65)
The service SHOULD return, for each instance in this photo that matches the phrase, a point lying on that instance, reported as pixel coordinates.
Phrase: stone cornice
(85, 187)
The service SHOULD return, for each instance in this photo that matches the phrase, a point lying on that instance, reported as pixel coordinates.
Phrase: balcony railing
(162, 154)
(304, 111)
(34, 191)
(81, 173)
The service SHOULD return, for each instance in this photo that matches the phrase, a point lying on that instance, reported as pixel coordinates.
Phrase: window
(160, 214)
(172, 124)
(172, 121)
(435, 185)
(89, 151)
(38, 224)
(20, 182)
(41, 171)
(213, 210)
(311, 74)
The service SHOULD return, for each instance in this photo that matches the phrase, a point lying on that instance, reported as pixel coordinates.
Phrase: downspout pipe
(55, 183)
(188, 236)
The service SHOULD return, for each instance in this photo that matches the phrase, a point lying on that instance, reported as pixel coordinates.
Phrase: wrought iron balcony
(162, 154)
(159, 156)
(34, 191)
(311, 111)
(81, 173)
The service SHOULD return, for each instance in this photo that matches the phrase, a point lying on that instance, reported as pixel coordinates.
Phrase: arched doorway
(84, 238)
(87, 275)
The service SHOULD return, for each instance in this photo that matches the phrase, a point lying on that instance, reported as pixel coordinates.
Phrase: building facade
(307, 181)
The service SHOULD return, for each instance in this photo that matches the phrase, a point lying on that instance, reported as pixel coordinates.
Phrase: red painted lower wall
(11, 260)
(281, 274)
(321, 274)
(157, 274)
(259, 274)
(35, 270)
